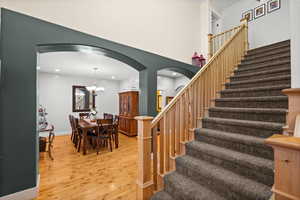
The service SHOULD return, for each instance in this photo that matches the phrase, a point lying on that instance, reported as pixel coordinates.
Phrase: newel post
(244, 21)
(210, 50)
(144, 176)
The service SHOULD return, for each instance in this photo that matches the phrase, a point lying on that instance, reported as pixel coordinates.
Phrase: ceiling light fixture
(57, 70)
(174, 74)
(94, 88)
(113, 77)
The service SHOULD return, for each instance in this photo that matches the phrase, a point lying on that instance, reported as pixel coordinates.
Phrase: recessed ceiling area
(84, 64)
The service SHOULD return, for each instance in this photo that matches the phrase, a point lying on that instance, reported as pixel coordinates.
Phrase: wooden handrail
(217, 35)
(215, 42)
(174, 125)
(175, 99)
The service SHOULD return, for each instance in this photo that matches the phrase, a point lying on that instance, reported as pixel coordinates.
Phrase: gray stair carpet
(228, 159)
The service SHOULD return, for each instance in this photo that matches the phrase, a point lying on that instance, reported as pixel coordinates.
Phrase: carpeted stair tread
(256, 89)
(219, 178)
(257, 124)
(266, 98)
(161, 196)
(181, 187)
(245, 139)
(267, 72)
(275, 51)
(269, 47)
(236, 157)
(283, 77)
(282, 56)
(242, 143)
(265, 66)
(250, 110)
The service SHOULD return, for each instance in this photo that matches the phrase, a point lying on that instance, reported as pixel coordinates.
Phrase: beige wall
(167, 27)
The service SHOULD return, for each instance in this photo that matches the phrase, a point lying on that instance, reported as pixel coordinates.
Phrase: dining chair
(72, 128)
(115, 132)
(91, 136)
(84, 115)
(78, 134)
(107, 116)
(104, 133)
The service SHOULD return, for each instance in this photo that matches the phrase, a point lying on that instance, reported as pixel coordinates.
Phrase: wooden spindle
(210, 48)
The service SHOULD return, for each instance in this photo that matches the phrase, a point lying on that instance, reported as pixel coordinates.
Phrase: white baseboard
(57, 133)
(27, 194)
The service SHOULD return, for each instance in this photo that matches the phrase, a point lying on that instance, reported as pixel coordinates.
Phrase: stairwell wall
(271, 28)
(295, 42)
(167, 27)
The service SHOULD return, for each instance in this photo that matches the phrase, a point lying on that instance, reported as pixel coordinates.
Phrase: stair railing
(162, 139)
(215, 42)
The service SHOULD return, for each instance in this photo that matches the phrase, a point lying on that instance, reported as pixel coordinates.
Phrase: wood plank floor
(72, 176)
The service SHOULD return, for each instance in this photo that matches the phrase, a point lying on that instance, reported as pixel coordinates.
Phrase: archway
(21, 38)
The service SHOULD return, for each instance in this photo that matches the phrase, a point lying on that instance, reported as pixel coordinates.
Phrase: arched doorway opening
(169, 83)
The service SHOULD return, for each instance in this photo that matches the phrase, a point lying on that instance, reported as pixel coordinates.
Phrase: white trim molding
(27, 194)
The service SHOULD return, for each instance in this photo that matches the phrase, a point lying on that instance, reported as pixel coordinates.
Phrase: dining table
(87, 125)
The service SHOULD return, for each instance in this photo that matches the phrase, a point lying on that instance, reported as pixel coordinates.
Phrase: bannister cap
(144, 118)
(291, 91)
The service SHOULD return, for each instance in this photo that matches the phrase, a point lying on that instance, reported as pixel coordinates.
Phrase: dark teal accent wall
(21, 38)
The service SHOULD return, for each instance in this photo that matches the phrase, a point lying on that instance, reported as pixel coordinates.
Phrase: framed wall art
(259, 11)
(273, 5)
(248, 15)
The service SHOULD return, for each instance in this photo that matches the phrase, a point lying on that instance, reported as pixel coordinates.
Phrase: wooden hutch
(129, 108)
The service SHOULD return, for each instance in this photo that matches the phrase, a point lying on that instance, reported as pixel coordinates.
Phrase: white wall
(181, 81)
(271, 28)
(295, 42)
(166, 27)
(205, 24)
(55, 94)
(131, 83)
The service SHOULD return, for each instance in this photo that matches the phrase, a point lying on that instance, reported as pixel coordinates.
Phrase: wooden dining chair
(73, 129)
(107, 116)
(84, 115)
(115, 131)
(104, 133)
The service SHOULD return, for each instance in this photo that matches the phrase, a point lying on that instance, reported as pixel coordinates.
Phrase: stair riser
(252, 104)
(248, 171)
(265, 60)
(279, 51)
(259, 76)
(258, 84)
(216, 185)
(260, 93)
(265, 117)
(261, 151)
(169, 188)
(256, 68)
(252, 131)
(268, 48)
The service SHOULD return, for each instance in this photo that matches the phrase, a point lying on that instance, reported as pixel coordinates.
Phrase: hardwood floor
(72, 176)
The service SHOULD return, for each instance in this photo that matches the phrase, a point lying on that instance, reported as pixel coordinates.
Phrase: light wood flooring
(72, 176)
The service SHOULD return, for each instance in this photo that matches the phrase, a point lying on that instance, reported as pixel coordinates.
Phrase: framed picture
(248, 15)
(273, 5)
(259, 11)
(168, 100)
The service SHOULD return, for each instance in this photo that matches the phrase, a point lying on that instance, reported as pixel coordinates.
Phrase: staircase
(228, 159)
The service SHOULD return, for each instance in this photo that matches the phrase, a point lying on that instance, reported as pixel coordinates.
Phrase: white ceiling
(220, 5)
(83, 64)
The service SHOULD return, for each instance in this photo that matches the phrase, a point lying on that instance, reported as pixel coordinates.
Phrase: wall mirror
(83, 99)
